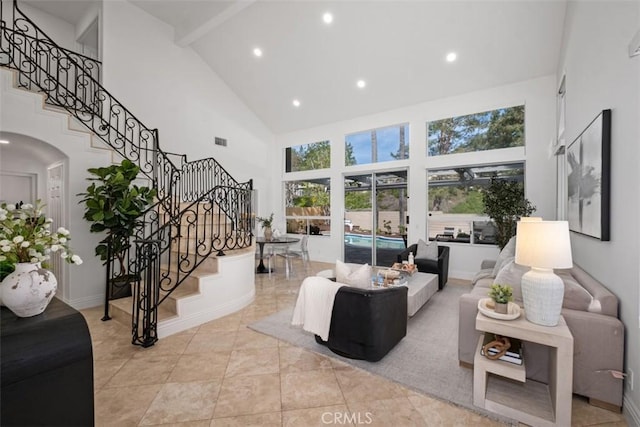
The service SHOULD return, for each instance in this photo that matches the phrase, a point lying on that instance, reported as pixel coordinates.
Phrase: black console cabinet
(47, 368)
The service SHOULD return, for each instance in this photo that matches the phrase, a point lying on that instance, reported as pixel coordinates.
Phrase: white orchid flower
(25, 244)
(18, 239)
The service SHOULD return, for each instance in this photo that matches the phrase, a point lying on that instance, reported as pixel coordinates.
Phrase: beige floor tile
(247, 338)
(180, 402)
(336, 415)
(171, 345)
(200, 366)
(246, 395)
(273, 419)
(310, 389)
(118, 348)
(203, 342)
(253, 362)
(229, 323)
(104, 370)
(143, 370)
(296, 359)
(199, 423)
(398, 412)
(361, 386)
(438, 413)
(123, 406)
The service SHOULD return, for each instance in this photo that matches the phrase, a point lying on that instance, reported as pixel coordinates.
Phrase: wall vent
(221, 141)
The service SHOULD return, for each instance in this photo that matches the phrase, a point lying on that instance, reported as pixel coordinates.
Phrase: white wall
(600, 75)
(538, 97)
(21, 113)
(61, 32)
(171, 88)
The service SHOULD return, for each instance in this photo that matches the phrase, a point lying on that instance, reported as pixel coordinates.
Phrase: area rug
(425, 360)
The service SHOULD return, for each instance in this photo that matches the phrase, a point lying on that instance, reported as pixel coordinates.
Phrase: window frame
(374, 147)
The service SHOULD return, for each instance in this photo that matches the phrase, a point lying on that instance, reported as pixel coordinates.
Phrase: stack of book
(513, 354)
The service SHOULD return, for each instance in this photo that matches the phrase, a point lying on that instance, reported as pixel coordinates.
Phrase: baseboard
(461, 274)
(631, 412)
(184, 322)
(86, 302)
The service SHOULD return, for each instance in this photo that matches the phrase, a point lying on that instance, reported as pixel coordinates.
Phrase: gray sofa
(591, 313)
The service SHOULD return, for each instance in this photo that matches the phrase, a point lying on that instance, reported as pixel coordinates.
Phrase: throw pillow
(575, 296)
(508, 251)
(358, 276)
(426, 250)
(511, 274)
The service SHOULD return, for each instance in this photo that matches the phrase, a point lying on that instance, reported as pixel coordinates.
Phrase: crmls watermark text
(356, 418)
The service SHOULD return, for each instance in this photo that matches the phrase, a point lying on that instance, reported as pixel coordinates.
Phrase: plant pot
(268, 234)
(502, 307)
(28, 290)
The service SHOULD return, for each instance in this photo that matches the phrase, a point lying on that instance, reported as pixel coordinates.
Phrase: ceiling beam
(186, 37)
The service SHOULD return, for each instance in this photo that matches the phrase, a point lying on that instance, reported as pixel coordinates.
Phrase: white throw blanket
(315, 304)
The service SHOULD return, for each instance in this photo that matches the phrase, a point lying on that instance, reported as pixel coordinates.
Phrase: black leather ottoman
(367, 323)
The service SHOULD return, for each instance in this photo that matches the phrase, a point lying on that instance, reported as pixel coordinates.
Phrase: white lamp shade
(543, 244)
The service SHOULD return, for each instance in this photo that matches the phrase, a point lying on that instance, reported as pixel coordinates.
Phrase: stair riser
(209, 265)
(191, 283)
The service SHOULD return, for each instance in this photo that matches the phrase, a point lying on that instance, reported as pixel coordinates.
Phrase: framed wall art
(588, 179)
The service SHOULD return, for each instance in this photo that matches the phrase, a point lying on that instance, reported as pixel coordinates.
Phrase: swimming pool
(381, 242)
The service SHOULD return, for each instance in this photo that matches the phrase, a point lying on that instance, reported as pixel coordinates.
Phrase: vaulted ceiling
(397, 47)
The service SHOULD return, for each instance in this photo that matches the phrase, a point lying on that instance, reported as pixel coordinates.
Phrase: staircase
(201, 212)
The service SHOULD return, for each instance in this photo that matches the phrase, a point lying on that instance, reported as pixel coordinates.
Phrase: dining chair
(289, 255)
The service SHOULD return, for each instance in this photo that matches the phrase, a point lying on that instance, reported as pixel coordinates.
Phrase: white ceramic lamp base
(542, 294)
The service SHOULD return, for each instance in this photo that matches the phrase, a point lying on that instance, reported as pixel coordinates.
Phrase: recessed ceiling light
(451, 56)
(296, 103)
(3, 141)
(257, 52)
(361, 84)
(327, 18)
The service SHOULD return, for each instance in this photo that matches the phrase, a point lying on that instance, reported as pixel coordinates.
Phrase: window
(456, 209)
(316, 155)
(501, 128)
(307, 206)
(377, 145)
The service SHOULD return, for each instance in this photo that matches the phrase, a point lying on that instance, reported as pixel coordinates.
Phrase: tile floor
(224, 374)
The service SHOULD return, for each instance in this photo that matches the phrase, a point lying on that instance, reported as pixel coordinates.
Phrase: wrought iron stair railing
(198, 202)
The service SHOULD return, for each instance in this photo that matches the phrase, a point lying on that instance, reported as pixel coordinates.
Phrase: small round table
(261, 241)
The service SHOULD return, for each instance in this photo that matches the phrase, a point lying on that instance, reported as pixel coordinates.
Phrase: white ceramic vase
(28, 290)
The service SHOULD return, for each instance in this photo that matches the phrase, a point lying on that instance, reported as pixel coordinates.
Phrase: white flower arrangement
(25, 236)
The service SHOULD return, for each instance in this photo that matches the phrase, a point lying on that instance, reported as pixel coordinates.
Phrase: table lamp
(543, 246)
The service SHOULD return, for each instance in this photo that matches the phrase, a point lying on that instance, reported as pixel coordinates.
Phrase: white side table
(530, 402)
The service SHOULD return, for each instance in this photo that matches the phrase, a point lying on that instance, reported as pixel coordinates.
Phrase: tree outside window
(377, 145)
(308, 206)
(489, 130)
(316, 155)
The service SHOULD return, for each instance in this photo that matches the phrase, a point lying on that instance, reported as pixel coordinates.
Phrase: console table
(531, 402)
(46, 368)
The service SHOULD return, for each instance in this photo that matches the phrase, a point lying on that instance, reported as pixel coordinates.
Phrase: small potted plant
(266, 224)
(501, 295)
